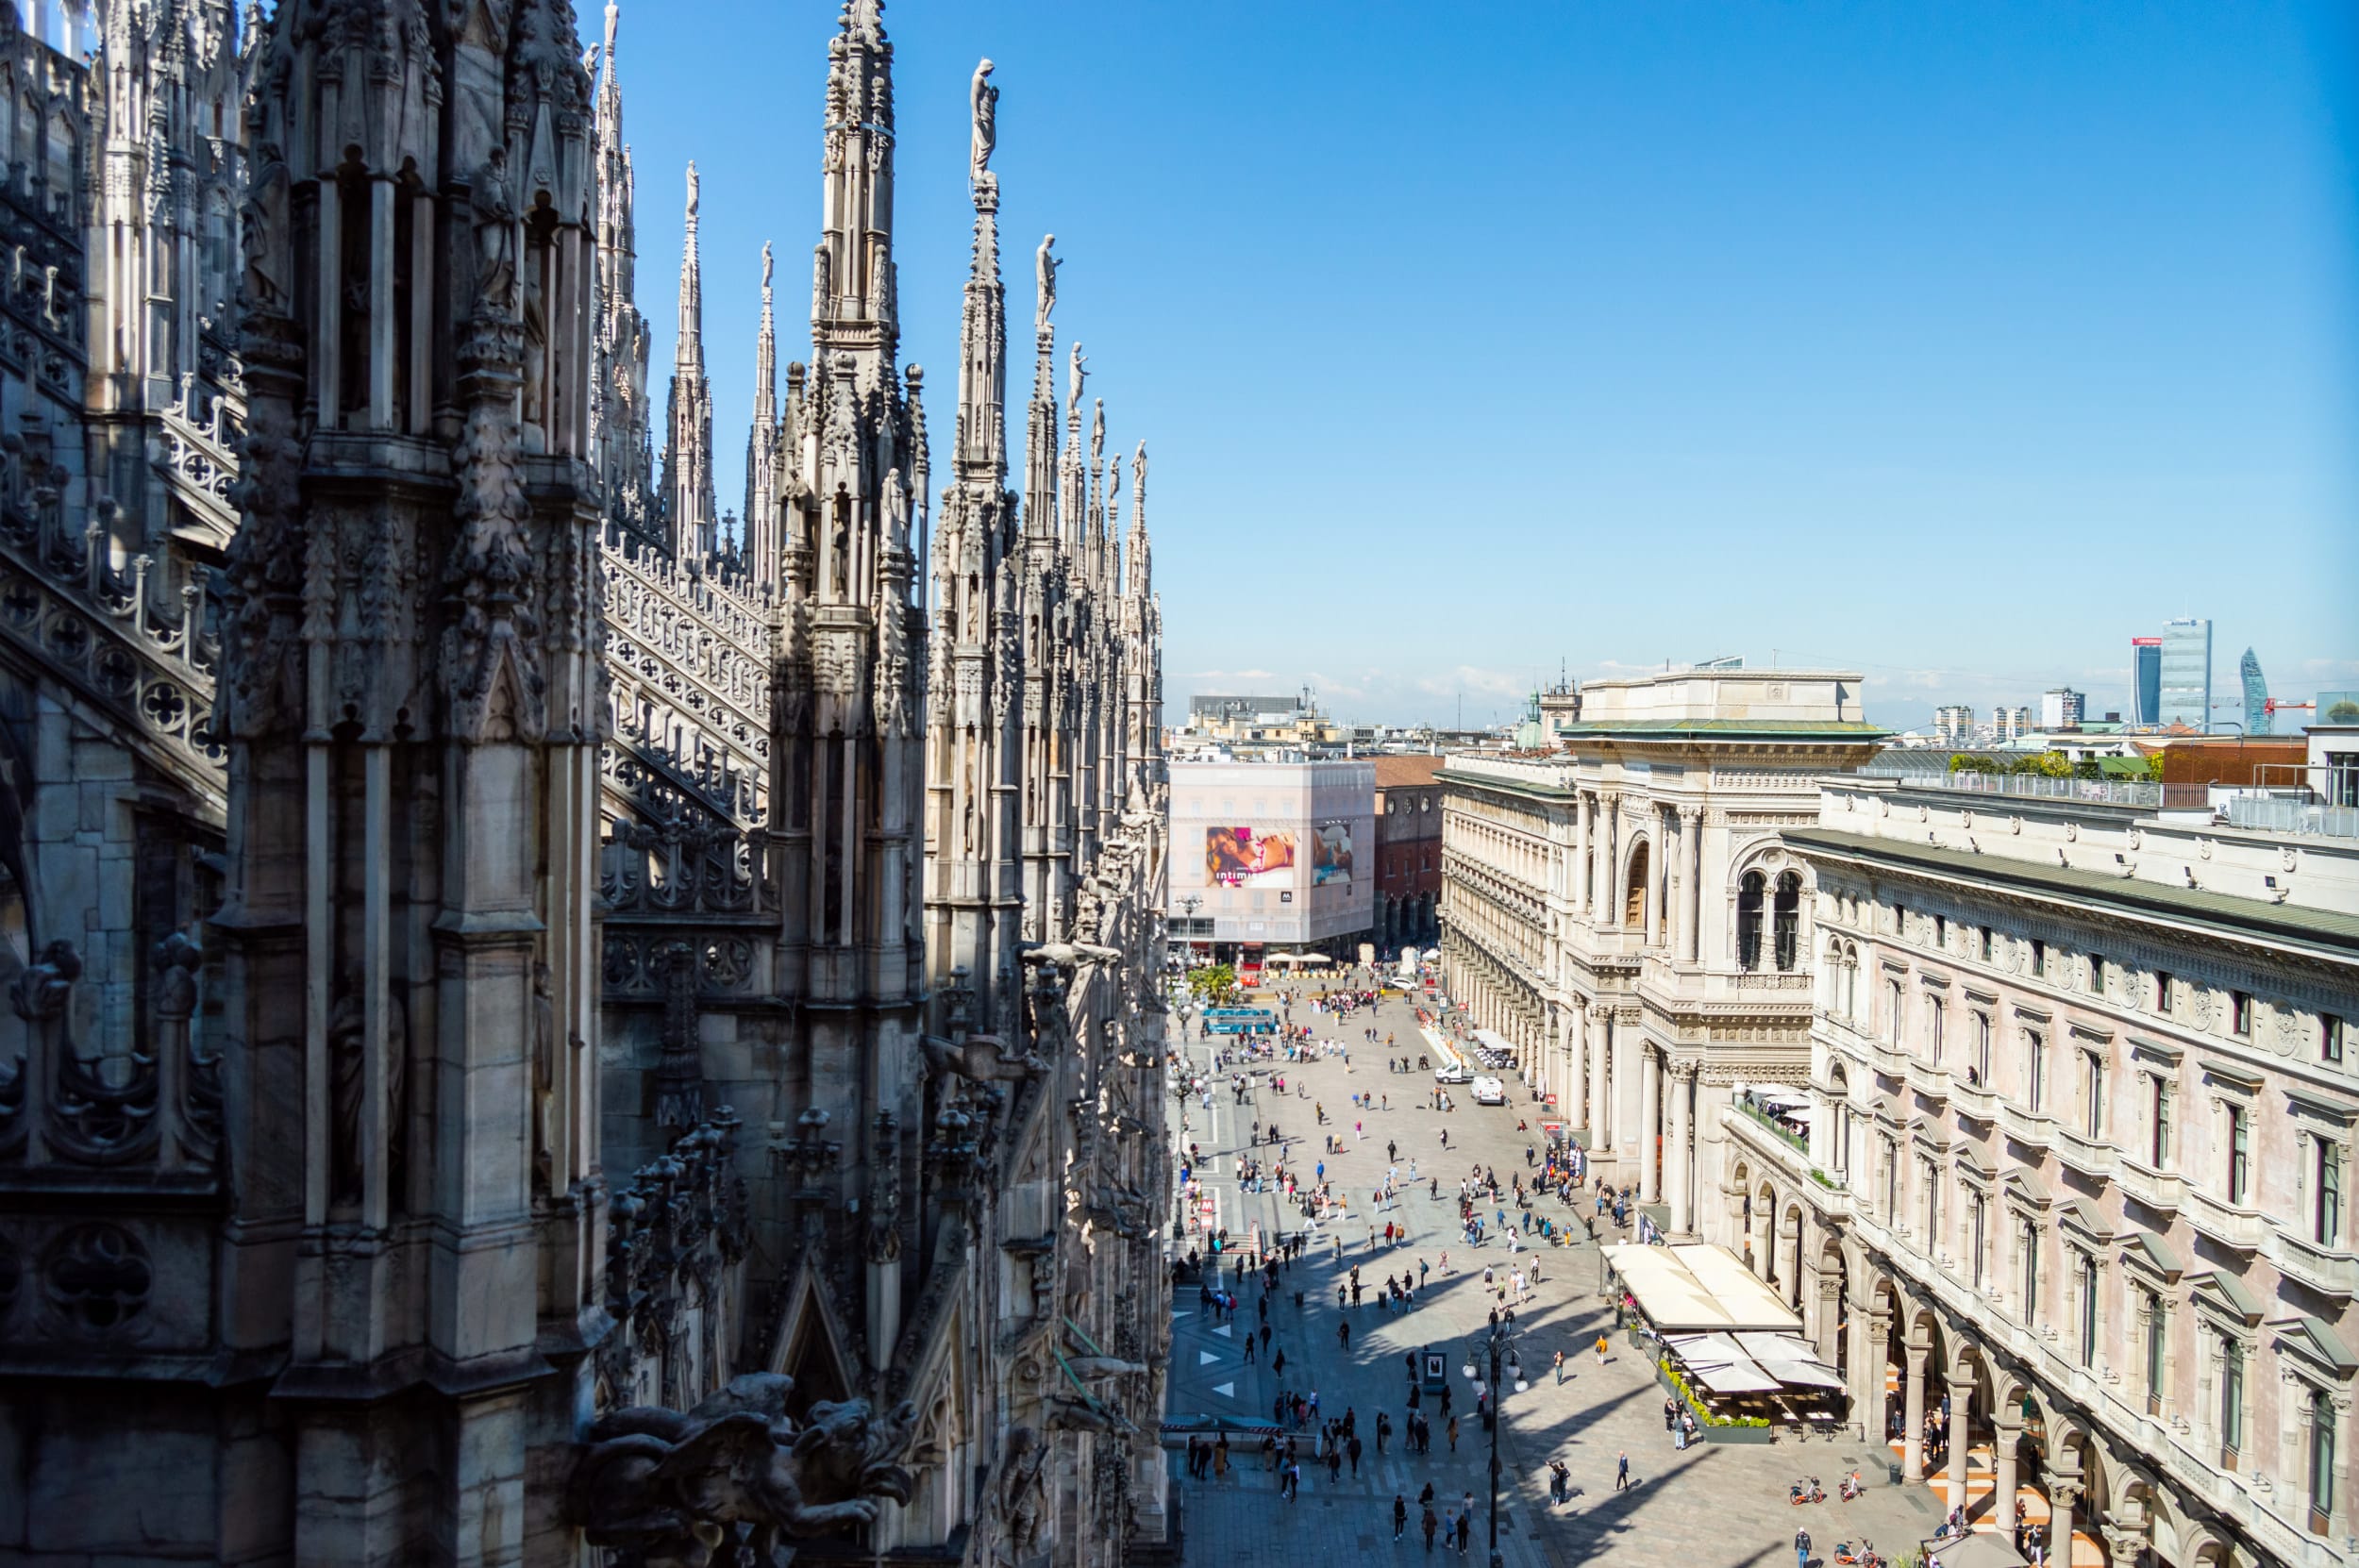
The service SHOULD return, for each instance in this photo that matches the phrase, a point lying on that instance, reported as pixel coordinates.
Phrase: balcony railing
(2266, 815)
(1766, 1120)
(2099, 791)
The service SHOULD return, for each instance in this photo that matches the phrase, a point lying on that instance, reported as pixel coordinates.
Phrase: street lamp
(1496, 1343)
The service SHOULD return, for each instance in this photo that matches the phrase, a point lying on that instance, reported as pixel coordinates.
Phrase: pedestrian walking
(1352, 1450)
(1249, 1350)
(1429, 1523)
(1343, 1335)
(1220, 1460)
(1560, 1368)
(1278, 1362)
(1465, 1531)
(1400, 1514)
(1600, 1351)
(1454, 1434)
(1621, 1471)
(1801, 1548)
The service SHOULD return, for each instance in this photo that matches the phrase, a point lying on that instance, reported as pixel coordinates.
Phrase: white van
(1490, 1091)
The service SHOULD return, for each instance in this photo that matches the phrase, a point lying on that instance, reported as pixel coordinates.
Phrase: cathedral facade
(543, 1021)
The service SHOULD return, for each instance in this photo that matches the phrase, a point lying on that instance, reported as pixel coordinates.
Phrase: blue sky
(1954, 344)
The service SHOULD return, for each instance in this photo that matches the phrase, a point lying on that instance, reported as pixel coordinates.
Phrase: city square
(1648, 917)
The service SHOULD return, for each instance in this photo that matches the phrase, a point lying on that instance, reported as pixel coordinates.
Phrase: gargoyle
(980, 1059)
(1071, 955)
(1090, 1369)
(1071, 1415)
(668, 1490)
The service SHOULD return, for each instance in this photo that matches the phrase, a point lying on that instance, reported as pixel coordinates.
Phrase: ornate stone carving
(736, 1474)
(95, 1280)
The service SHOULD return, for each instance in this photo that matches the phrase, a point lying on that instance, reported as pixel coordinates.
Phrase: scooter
(1846, 1557)
(1850, 1489)
(1798, 1493)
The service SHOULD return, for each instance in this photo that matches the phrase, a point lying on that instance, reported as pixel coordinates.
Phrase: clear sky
(1955, 344)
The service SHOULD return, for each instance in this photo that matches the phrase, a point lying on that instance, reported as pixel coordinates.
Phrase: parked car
(1490, 1091)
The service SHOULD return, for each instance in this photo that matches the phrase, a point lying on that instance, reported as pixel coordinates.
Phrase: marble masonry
(547, 1021)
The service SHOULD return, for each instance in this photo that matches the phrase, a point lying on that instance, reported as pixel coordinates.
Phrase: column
(2064, 1495)
(1649, 1128)
(1829, 1316)
(1961, 1434)
(1871, 1328)
(2122, 1545)
(1576, 1067)
(1658, 874)
(1580, 851)
(1601, 1097)
(1623, 1110)
(2008, 1432)
(1681, 1175)
(1692, 900)
(1609, 903)
(1912, 1425)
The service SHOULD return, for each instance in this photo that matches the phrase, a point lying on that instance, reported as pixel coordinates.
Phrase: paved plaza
(1715, 1504)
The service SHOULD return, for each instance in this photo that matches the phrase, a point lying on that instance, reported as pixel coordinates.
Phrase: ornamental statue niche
(736, 1479)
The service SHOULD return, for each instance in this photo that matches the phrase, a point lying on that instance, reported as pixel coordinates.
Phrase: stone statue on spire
(767, 266)
(1045, 268)
(986, 102)
(1075, 377)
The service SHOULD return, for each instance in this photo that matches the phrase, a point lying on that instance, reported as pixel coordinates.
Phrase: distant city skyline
(1957, 346)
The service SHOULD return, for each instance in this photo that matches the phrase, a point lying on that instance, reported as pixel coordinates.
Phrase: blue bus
(1240, 1020)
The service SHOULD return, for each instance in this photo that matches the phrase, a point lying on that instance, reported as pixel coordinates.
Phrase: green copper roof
(1727, 729)
(2227, 913)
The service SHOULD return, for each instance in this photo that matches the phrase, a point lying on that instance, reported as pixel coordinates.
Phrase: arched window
(1749, 893)
(1789, 914)
(1634, 897)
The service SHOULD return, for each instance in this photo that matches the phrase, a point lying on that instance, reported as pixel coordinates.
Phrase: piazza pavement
(1715, 1505)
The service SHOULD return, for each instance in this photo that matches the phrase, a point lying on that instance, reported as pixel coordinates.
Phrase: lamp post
(1495, 1343)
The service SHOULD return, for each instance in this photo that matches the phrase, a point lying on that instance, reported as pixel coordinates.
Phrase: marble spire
(688, 455)
(762, 488)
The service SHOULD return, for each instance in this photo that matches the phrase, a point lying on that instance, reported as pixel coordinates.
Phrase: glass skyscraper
(2185, 695)
(2146, 679)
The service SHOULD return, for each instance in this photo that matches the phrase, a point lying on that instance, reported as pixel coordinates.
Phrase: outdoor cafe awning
(1698, 1288)
(1733, 1378)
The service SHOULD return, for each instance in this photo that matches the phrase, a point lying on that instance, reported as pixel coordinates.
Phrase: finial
(767, 265)
(691, 191)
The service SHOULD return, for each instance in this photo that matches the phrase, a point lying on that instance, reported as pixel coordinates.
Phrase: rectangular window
(1934, 1029)
(2034, 1070)
(1979, 1071)
(2096, 974)
(2093, 1083)
(2231, 1403)
(2157, 1355)
(2039, 958)
(2239, 1015)
(2162, 997)
(2326, 1217)
(2239, 1153)
(2158, 1152)
(2321, 1463)
(1900, 921)
(1983, 947)
(2030, 1273)
(2088, 1311)
(1941, 932)
(1980, 1214)
(2330, 1039)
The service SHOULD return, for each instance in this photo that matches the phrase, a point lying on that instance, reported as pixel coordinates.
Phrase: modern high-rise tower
(2184, 695)
(2146, 679)
(2256, 695)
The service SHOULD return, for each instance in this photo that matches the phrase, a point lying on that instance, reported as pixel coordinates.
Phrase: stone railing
(98, 628)
(197, 454)
(689, 662)
(1531, 771)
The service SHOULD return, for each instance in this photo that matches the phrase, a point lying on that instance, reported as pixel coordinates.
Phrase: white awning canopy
(1492, 1039)
(1698, 1288)
(1741, 1378)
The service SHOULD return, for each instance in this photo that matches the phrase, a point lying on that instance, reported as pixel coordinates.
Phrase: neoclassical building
(2083, 1101)
(1626, 913)
(529, 1009)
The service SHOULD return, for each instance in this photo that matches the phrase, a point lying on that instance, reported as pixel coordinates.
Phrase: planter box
(1703, 1432)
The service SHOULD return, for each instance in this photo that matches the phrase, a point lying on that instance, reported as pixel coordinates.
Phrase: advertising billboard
(1330, 855)
(1244, 856)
